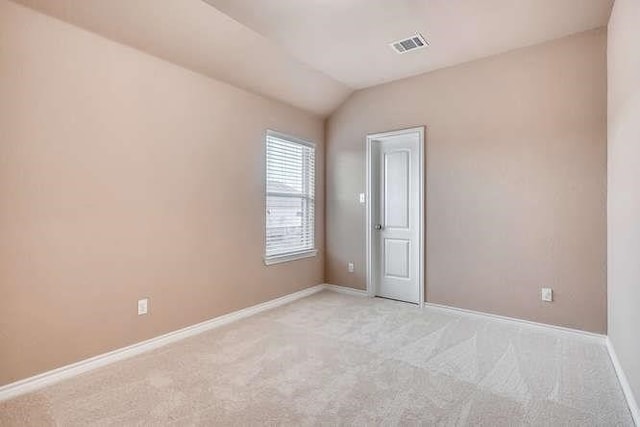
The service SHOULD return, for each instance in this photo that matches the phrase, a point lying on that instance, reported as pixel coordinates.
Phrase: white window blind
(290, 222)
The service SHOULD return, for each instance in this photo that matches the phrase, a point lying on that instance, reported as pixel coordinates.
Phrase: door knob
(378, 226)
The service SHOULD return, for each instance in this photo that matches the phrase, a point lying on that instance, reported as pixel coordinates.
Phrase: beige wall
(516, 180)
(123, 176)
(624, 187)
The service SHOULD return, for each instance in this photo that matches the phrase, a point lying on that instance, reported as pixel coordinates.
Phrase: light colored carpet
(341, 360)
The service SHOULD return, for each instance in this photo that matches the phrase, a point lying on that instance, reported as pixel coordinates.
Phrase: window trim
(296, 255)
(279, 259)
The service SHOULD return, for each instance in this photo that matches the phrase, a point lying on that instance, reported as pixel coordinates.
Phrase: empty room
(319, 212)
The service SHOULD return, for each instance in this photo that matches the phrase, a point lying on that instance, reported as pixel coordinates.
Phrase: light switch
(362, 198)
(143, 306)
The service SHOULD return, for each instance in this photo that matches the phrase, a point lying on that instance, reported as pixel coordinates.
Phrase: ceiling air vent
(412, 43)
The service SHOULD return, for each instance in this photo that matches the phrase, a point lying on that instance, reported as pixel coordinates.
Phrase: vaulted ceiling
(197, 36)
(313, 53)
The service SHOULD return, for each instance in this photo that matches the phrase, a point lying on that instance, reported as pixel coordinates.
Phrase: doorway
(395, 215)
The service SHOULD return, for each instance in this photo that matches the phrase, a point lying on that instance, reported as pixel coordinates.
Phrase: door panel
(396, 258)
(396, 209)
(396, 188)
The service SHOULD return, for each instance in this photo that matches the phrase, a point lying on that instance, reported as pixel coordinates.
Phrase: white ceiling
(313, 53)
(348, 39)
(195, 35)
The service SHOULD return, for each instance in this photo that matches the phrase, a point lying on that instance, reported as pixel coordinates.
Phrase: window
(290, 222)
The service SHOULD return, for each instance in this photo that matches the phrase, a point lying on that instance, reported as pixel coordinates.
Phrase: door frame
(420, 130)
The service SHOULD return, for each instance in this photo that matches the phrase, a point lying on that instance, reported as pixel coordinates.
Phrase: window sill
(277, 259)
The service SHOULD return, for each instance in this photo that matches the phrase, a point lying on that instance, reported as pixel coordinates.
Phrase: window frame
(293, 255)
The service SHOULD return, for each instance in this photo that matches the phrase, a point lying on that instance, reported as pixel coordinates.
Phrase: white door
(396, 215)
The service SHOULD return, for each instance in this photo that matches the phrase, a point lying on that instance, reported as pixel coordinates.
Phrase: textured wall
(624, 186)
(516, 180)
(123, 176)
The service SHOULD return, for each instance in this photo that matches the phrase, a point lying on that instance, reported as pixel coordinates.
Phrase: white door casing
(395, 215)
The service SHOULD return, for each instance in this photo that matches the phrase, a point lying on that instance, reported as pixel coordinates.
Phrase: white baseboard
(27, 385)
(346, 290)
(427, 305)
(624, 383)
(599, 338)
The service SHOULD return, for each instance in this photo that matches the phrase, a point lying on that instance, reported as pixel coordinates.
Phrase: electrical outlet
(547, 294)
(143, 306)
(351, 267)
(362, 198)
